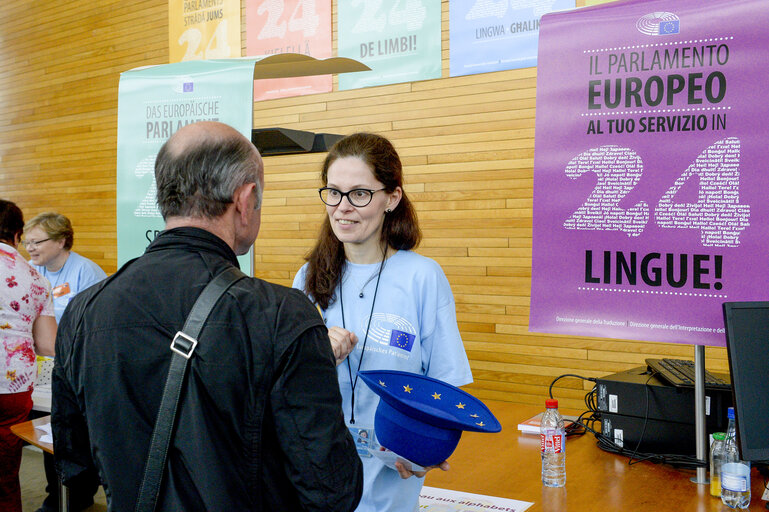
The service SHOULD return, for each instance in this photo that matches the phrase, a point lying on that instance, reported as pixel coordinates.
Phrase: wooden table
(508, 465)
(30, 434)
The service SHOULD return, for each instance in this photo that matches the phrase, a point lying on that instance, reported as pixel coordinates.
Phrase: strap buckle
(183, 345)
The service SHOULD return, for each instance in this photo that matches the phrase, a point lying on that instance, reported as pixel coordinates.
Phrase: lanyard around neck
(354, 382)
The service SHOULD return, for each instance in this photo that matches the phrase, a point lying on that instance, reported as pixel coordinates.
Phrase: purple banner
(650, 169)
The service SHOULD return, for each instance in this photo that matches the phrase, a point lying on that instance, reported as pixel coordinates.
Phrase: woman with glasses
(48, 238)
(386, 307)
(27, 327)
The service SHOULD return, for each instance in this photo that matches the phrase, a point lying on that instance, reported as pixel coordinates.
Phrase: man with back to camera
(259, 425)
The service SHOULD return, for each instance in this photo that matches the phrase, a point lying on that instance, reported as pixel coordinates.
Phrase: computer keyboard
(680, 372)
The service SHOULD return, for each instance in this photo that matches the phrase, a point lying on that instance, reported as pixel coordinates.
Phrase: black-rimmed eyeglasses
(358, 197)
(31, 244)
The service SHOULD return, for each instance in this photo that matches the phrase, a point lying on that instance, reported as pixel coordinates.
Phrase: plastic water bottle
(553, 446)
(716, 461)
(735, 474)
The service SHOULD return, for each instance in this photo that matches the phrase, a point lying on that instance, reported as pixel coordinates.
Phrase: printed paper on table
(432, 499)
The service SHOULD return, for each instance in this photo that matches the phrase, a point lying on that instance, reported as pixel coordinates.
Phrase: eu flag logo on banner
(402, 340)
(669, 27)
(188, 86)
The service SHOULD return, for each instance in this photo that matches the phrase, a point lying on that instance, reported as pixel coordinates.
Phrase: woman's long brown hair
(400, 229)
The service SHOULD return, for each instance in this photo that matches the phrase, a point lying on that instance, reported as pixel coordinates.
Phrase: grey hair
(200, 180)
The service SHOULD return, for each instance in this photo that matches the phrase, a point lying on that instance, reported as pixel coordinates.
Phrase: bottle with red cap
(553, 446)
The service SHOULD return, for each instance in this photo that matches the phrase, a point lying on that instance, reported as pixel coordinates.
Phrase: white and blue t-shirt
(414, 329)
(77, 274)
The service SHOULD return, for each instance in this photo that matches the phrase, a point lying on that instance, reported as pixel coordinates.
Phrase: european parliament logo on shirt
(402, 340)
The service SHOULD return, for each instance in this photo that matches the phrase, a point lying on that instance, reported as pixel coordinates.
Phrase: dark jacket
(260, 424)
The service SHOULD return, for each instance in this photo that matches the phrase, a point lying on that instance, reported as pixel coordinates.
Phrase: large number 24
(411, 13)
(217, 47)
(483, 9)
(717, 213)
(307, 23)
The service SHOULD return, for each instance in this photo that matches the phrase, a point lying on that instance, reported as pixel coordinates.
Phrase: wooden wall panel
(61, 64)
(467, 144)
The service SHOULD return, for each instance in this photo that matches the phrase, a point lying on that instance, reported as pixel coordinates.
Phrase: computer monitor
(747, 341)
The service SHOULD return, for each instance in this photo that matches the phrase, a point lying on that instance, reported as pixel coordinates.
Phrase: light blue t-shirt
(413, 328)
(77, 274)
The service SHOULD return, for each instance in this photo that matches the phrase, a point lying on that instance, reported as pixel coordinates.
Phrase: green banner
(153, 103)
(399, 40)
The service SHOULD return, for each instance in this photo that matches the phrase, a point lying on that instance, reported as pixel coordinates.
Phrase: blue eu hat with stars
(420, 418)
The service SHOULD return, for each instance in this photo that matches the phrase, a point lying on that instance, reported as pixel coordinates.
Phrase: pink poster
(650, 169)
(289, 26)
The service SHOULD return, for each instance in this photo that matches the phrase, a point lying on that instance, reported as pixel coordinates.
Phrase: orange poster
(203, 29)
(289, 26)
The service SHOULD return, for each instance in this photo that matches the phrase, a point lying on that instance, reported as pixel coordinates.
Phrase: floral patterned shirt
(24, 295)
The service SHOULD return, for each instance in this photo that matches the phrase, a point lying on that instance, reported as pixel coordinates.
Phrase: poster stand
(700, 431)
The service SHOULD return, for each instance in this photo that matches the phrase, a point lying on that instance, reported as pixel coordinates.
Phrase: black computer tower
(635, 405)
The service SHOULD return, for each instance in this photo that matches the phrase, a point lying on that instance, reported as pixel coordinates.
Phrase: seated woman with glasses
(48, 238)
(386, 307)
(27, 327)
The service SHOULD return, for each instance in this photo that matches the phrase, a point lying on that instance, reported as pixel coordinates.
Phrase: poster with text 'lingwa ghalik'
(492, 35)
(650, 178)
(289, 26)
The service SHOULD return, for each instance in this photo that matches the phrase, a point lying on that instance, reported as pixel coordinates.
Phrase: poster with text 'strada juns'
(650, 169)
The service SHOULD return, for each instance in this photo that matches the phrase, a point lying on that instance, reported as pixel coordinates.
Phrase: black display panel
(747, 341)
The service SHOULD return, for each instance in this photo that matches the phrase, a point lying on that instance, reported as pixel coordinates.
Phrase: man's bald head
(199, 133)
(199, 168)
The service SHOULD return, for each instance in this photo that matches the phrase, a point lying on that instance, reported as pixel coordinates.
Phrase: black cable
(576, 428)
(646, 419)
(587, 420)
(550, 390)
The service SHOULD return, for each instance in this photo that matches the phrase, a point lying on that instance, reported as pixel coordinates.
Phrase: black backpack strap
(183, 347)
